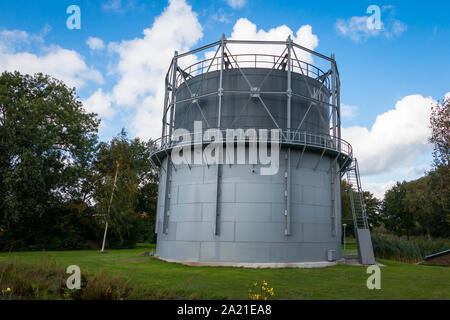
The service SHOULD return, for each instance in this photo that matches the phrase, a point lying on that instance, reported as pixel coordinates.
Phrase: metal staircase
(362, 232)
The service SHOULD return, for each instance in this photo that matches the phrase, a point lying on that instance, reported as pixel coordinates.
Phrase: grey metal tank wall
(254, 116)
(252, 217)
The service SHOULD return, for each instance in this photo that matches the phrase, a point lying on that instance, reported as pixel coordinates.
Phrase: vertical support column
(335, 177)
(167, 196)
(169, 161)
(334, 199)
(219, 116)
(218, 192)
(287, 192)
(333, 96)
(338, 222)
(287, 172)
(158, 210)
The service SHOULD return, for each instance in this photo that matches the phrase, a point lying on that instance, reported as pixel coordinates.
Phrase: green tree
(133, 197)
(372, 204)
(347, 217)
(147, 199)
(373, 210)
(438, 182)
(47, 145)
(397, 219)
(440, 177)
(440, 133)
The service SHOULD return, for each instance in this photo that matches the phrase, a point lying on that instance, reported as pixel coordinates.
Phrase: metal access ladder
(362, 232)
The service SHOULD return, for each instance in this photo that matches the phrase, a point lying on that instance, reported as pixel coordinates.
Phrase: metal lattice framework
(223, 59)
(291, 137)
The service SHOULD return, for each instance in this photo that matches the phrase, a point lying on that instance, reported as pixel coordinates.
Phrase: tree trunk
(109, 207)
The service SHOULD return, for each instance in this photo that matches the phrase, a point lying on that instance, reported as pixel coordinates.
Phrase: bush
(411, 251)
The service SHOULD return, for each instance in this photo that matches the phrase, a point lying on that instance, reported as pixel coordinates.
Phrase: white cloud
(378, 184)
(143, 63)
(378, 189)
(120, 6)
(220, 17)
(356, 27)
(246, 30)
(397, 29)
(20, 40)
(100, 103)
(397, 137)
(66, 65)
(236, 4)
(95, 43)
(14, 35)
(348, 112)
(114, 5)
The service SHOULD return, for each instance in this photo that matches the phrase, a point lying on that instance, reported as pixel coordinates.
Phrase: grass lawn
(398, 280)
(350, 247)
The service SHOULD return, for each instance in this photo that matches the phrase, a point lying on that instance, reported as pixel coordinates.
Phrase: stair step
(359, 215)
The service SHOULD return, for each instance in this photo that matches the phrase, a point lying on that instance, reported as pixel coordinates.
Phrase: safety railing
(291, 138)
(247, 60)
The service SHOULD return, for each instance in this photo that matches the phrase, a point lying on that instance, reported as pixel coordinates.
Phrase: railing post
(338, 110)
(173, 102)
(289, 88)
(220, 90)
(166, 102)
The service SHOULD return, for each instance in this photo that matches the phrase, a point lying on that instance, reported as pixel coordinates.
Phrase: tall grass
(47, 280)
(410, 251)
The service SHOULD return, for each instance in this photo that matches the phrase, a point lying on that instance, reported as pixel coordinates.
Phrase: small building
(439, 259)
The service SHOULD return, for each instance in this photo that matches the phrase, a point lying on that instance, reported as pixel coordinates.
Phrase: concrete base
(252, 265)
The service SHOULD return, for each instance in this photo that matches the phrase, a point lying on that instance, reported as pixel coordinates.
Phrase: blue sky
(389, 78)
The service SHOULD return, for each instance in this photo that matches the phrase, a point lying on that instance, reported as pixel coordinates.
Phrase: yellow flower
(8, 289)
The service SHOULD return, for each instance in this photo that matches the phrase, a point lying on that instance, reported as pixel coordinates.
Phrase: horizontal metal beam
(312, 52)
(199, 49)
(255, 42)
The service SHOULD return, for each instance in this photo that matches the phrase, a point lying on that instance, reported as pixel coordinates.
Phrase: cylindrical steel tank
(230, 213)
